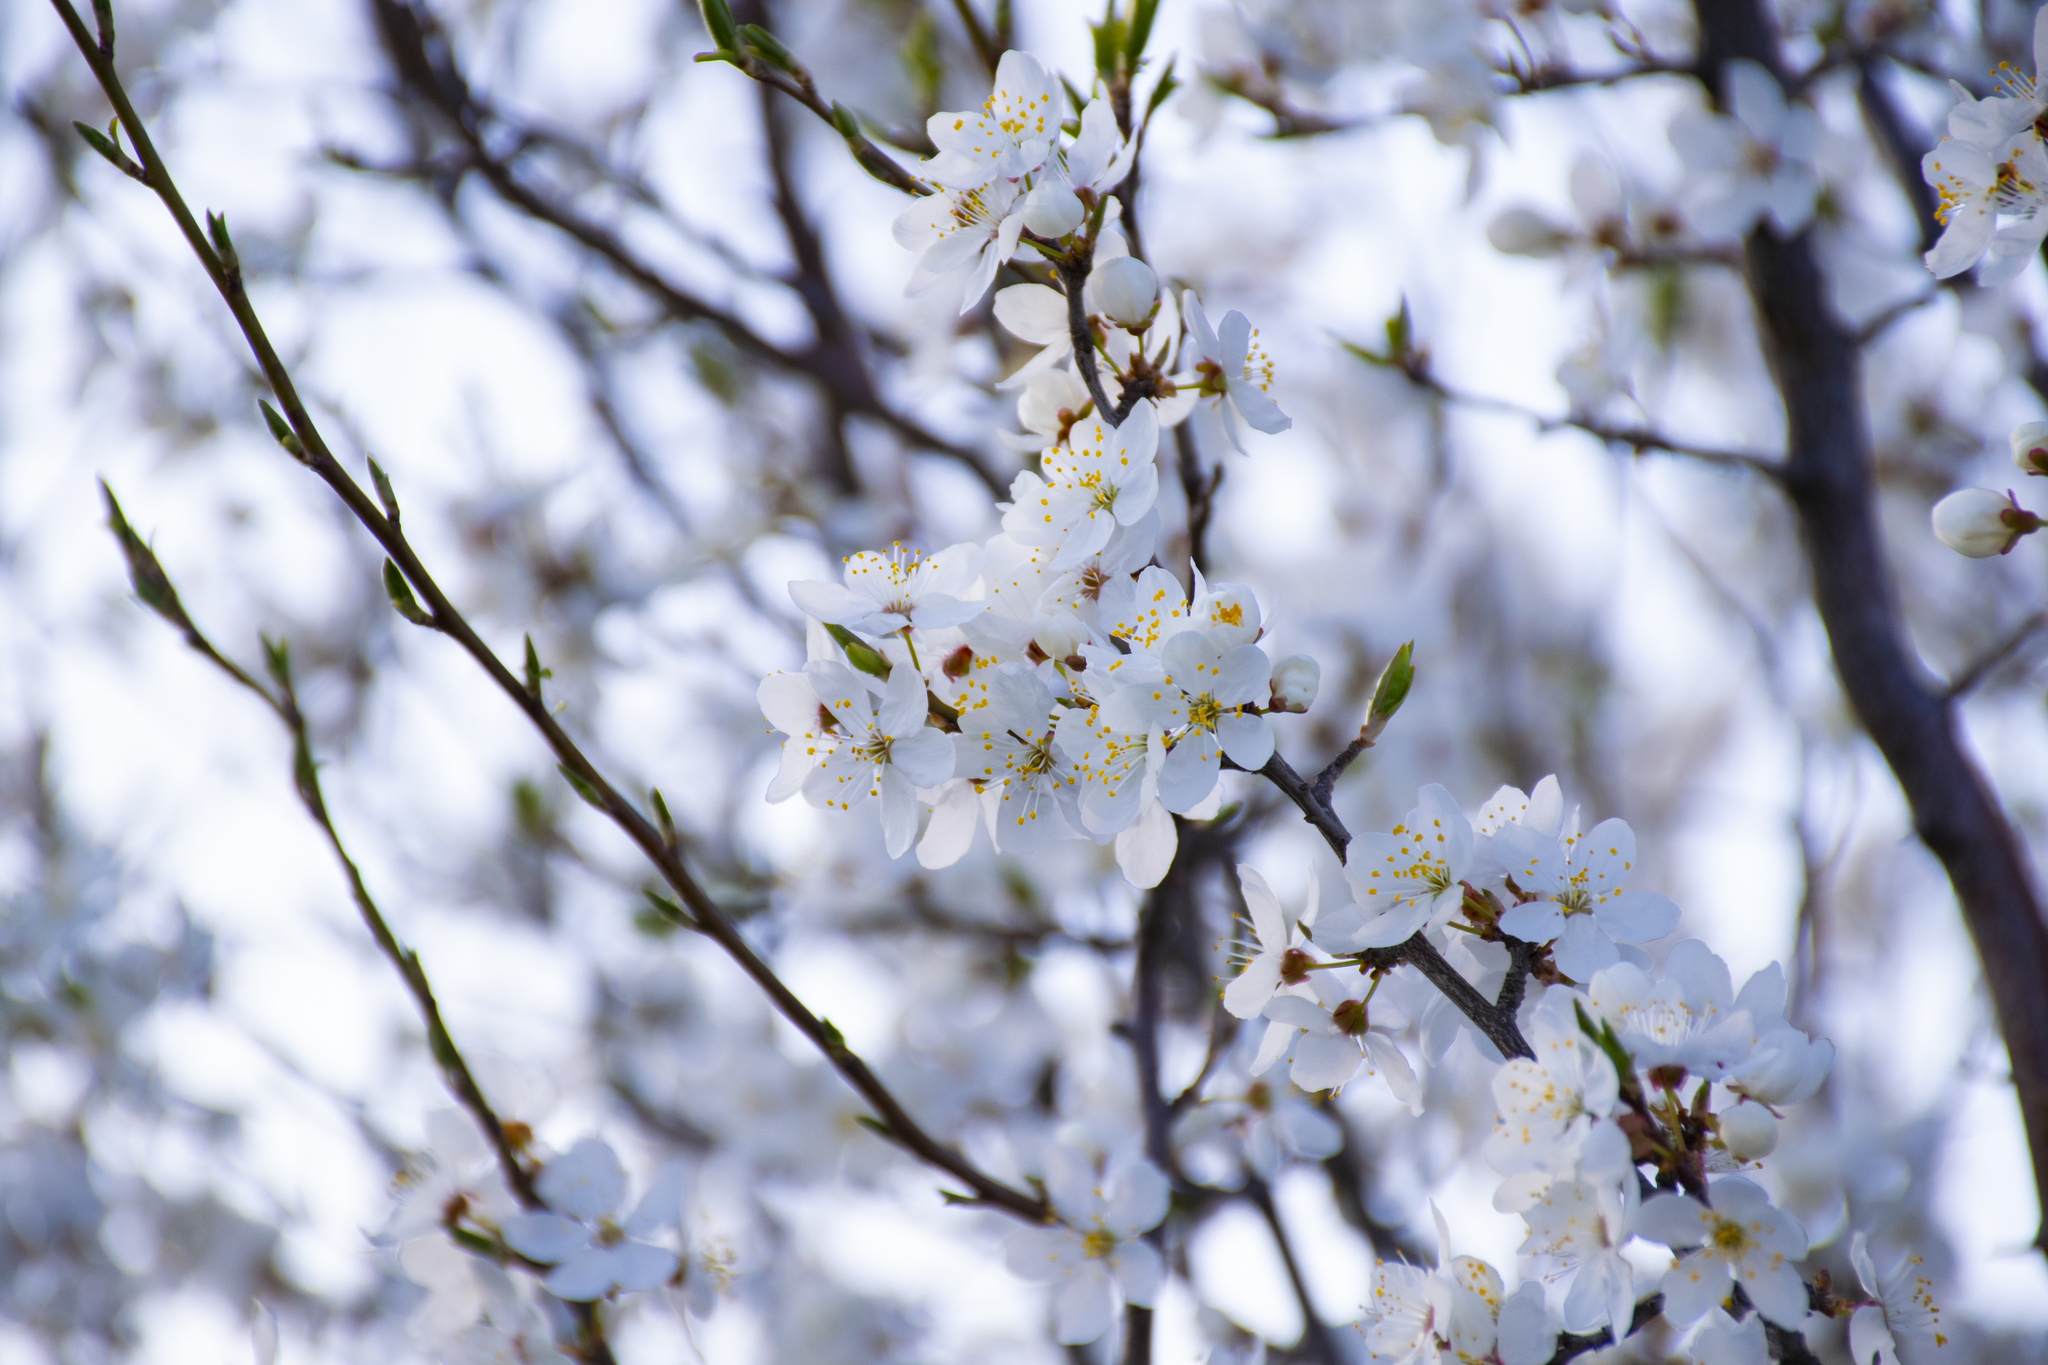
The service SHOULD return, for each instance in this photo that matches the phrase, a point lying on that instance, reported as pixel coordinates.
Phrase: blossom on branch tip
(1404, 879)
(592, 1254)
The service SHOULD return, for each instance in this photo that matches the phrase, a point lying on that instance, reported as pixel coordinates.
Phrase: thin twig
(1315, 1333)
(1966, 681)
(1073, 273)
(443, 616)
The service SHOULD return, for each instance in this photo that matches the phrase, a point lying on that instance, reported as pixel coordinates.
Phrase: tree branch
(310, 448)
(1827, 478)
(1315, 1333)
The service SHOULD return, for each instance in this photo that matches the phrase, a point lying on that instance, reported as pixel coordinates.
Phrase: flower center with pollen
(1098, 1244)
(1730, 1237)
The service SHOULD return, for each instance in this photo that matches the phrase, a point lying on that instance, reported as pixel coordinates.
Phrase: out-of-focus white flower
(1520, 231)
(1414, 1315)
(1904, 1326)
(1742, 1236)
(2030, 441)
(900, 590)
(1126, 290)
(1009, 137)
(1758, 162)
(1098, 1247)
(593, 1255)
(1980, 524)
(1233, 369)
(1296, 679)
(1524, 1332)
(458, 1176)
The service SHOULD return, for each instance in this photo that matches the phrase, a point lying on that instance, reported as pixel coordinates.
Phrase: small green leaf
(277, 661)
(1395, 680)
(1109, 44)
(955, 1197)
(1167, 84)
(769, 48)
(385, 495)
(1401, 333)
(152, 585)
(1142, 14)
(718, 23)
(105, 146)
(223, 245)
(534, 672)
(835, 1041)
(662, 820)
(581, 787)
(860, 653)
(846, 122)
(305, 773)
(660, 917)
(282, 432)
(875, 1126)
(402, 600)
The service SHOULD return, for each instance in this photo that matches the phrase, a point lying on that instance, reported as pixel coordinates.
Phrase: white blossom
(1980, 524)
(885, 749)
(1758, 162)
(1234, 369)
(1404, 879)
(1577, 897)
(1740, 1235)
(963, 237)
(1282, 958)
(1903, 1326)
(1097, 1248)
(1009, 137)
(592, 1254)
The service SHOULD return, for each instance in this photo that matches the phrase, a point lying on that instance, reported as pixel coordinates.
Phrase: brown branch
(310, 448)
(1316, 1339)
(1911, 719)
(423, 62)
(1199, 492)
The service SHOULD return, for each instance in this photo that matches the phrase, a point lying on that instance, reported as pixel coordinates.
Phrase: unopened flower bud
(1058, 632)
(1295, 680)
(1979, 523)
(1052, 210)
(2030, 447)
(1748, 1130)
(1126, 291)
(1525, 232)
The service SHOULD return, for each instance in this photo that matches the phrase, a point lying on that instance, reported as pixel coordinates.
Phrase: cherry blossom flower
(901, 590)
(1097, 1249)
(1581, 1225)
(458, 1176)
(592, 1254)
(1105, 477)
(885, 748)
(1233, 369)
(1009, 137)
(1402, 880)
(791, 703)
(1200, 701)
(1414, 1315)
(1758, 162)
(1007, 740)
(964, 236)
(1579, 901)
(2030, 442)
(1328, 1034)
(1549, 1105)
(1903, 1326)
(1282, 959)
(1741, 1236)
(1977, 187)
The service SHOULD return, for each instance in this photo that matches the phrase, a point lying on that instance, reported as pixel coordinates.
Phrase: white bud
(1295, 680)
(1525, 232)
(1126, 291)
(2030, 447)
(1979, 523)
(1057, 631)
(1749, 1131)
(1051, 210)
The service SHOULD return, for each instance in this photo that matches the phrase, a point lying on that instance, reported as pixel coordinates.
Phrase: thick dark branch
(1280, 774)
(1908, 715)
(709, 918)
(1073, 275)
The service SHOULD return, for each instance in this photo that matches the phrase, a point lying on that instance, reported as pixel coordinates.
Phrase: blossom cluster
(1991, 174)
(1053, 682)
